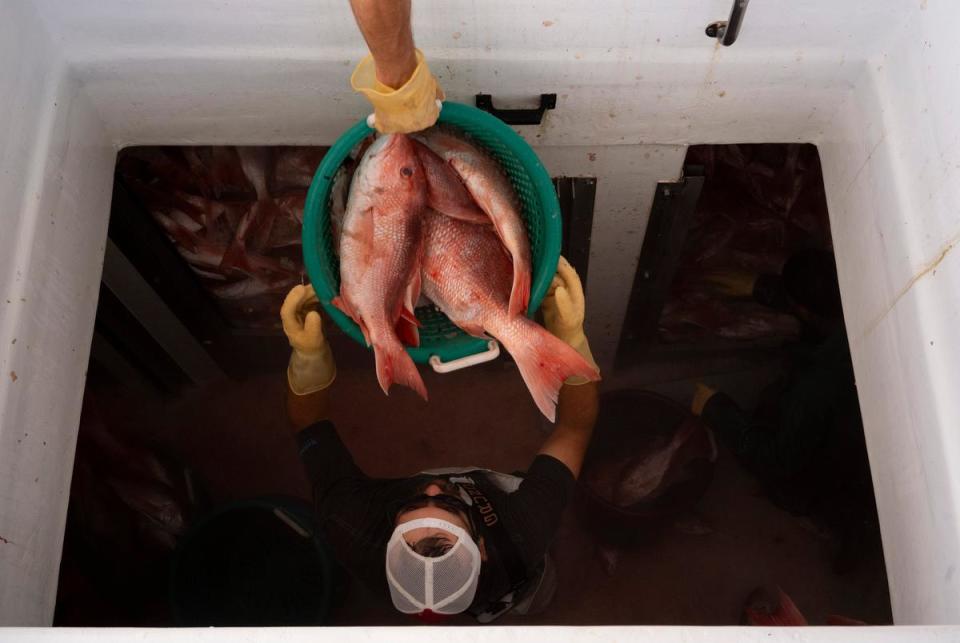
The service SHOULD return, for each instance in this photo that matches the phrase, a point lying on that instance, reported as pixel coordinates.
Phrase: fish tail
(545, 362)
(394, 366)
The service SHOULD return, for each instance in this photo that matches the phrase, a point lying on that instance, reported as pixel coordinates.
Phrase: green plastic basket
(438, 335)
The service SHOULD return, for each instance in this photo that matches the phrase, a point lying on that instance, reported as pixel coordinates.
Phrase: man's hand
(395, 77)
(563, 312)
(311, 364)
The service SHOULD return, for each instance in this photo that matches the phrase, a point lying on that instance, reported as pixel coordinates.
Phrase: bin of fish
(650, 459)
(462, 219)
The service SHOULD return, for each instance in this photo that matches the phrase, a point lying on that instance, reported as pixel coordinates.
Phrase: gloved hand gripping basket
(442, 344)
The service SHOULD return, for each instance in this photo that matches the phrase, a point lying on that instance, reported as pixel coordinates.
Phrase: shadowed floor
(696, 570)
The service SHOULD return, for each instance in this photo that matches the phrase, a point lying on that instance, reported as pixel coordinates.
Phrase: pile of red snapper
(431, 212)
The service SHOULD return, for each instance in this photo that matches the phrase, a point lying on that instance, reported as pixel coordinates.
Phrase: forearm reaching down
(395, 77)
(306, 410)
(576, 417)
(385, 26)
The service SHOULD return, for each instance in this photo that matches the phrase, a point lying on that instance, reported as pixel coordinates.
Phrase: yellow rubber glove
(311, 366)
(732, 282)
(563, 311)
(410, 108)
(701, 395)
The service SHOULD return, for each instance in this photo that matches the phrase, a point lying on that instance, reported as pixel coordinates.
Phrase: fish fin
(771, 607)
(236, 257)
(268, 213)
(475, 330)
(179, 233)
(467, 215)
(366, 333)
(545, 362)
(344, 306)
(394, 365)
(411, 297)
(407, 332)
(520, 291)
(255, 221)
(408, 316)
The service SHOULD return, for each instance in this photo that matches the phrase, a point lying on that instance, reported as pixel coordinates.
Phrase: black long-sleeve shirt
(357, 513)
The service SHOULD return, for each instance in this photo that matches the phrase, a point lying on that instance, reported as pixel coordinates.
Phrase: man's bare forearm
(576, 416)
(385, 25)
(304, 410)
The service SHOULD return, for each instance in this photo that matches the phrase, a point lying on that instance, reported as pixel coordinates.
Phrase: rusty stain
(13, 376)
(592, 156)
(927, 269)
(548, 23)
(456, 35)
(578, 55)
(722, 93)
(923, 4)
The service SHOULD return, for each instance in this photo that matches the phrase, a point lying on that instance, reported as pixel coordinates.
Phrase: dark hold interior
(189, 505)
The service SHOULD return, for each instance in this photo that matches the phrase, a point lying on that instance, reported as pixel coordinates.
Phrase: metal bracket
(726, 31)
(136, 294)
(518, 116)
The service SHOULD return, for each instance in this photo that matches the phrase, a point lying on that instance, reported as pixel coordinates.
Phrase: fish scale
(380, 251)
(468, 275)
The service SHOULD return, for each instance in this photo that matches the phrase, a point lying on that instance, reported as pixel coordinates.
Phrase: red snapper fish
(468, 276)
(380, 253)
(493, 192)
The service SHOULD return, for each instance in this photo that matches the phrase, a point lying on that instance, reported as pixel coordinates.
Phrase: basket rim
(317, 255)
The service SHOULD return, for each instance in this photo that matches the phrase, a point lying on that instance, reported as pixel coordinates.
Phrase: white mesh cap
(445, 584)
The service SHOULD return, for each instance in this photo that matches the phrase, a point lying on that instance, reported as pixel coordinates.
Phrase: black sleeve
(538, 504)
(350, 506)
(325, 457)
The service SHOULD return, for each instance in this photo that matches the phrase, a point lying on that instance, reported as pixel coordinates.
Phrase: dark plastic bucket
(634, 422)
(254, 563)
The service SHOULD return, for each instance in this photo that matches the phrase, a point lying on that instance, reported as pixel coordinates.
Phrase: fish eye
(406, 171)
